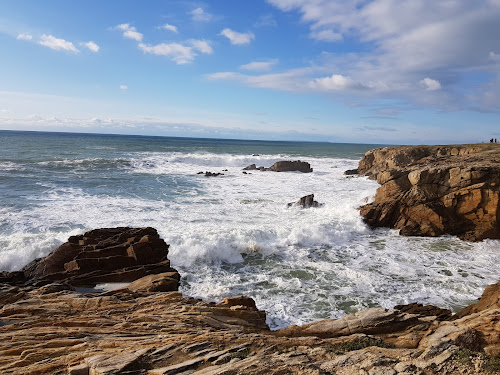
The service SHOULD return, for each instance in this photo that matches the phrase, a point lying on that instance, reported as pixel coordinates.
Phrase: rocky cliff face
(435, 190)
(147, 329)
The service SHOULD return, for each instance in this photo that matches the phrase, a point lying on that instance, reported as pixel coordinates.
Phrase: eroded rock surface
(435, 190)
(103, 255)
(306, 201)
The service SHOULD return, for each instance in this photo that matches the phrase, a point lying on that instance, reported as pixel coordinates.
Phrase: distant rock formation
(435, 190)
(306, 202)
(103, 255)
(211, 174)
(283, 166)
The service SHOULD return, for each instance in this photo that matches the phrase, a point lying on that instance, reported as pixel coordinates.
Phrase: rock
(114, 364)
(211, 174)
(489, 300)
(435, 190)
(239, 301)
(103, 255)
(289, 166)
(284, 166)
(251, 167)
(351, 172)
(163, 282)
(306, 202)
(427, 310)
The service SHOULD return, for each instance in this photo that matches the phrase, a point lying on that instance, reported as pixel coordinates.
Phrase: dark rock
(427, 310)
(103, 255)
(351, 172)
(12, 278)
(306, 202)
(289, 166)
(251, 167)
(211, 174)
(55, 288)
(283, 166)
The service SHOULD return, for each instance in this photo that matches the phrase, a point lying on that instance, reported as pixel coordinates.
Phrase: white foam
(234, 234)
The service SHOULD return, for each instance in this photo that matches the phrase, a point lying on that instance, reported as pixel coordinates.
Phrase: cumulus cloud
(130, 32)
(24, 36)
(123, 87)
(57, 44)
(200, 15)
(336, 82)
(236, 37)
(430, 84)
(91, 46)
(202, 45)
(259, 65)
(170, 28)
(178, 52)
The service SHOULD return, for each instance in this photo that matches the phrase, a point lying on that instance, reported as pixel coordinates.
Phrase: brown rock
(288, 166)
(427, 310)
(435, 190)
(163, 282)
(489, 300)
(103, 255)
(239, 301)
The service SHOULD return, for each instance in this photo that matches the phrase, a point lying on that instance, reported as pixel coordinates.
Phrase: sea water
(233, 234)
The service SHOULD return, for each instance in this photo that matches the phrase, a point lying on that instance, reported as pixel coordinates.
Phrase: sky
(362, 71)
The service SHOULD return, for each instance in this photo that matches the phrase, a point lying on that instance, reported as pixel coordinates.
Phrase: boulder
(283, 166)
(102, 255)
(306, 202)
(351, 172)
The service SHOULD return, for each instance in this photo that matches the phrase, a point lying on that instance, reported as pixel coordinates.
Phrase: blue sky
(380, 71)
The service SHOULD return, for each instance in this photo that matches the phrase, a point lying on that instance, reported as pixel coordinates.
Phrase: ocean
(233, 234)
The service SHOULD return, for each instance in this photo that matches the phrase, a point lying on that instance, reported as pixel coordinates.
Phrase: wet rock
(306, 202)
(102, 255)
(211, 174)
(163, 282)
(351, 172)
(427, 310)
(239, 301)
(283, 166)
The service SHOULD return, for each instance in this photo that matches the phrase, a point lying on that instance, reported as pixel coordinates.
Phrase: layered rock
(283, 166)
(435, 190)
(103, 255)
(146, 329)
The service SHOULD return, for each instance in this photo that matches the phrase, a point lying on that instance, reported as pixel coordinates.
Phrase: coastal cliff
(435, 190)
(50, 326)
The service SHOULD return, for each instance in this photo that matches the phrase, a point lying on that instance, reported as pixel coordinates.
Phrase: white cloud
(170, 28)
(57, 44)
(430, 84)
(261, 66)
(177, 52)
(202, 45)
(91, 46)
(326, 36)
(200, 15)
(236, 37)
(24, 36)
(336, 82)
(123, 87)
(130, 32)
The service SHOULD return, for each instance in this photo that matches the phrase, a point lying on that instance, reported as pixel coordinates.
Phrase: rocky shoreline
(48, 327)
(435, 190)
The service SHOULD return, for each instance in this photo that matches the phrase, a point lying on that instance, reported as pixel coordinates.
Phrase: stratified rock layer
(103, 255)
(435, 190)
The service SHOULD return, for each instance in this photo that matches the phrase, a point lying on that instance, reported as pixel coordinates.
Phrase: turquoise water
(233, 234)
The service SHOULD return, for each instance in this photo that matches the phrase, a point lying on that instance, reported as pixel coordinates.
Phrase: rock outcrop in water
(104, 255)
(306, 201)
(283, 166)
(143, 329)
(435, 190)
